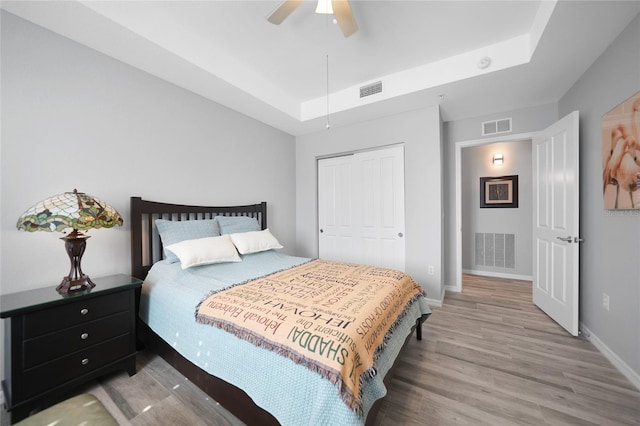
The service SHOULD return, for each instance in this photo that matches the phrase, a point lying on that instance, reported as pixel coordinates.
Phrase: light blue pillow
(236, 224)
(175, 231)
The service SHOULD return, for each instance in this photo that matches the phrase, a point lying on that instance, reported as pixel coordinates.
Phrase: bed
(253, 381)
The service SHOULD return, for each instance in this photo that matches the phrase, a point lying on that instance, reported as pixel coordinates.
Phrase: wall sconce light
(498, 159)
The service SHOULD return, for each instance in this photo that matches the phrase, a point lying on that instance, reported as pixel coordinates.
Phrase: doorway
(497, 234)
(459, 191)
(556, 195)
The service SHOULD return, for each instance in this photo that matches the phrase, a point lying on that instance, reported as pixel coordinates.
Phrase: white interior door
(361, 208)
(556, 222)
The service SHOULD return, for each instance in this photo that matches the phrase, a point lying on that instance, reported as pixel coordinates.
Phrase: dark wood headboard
(146, 247)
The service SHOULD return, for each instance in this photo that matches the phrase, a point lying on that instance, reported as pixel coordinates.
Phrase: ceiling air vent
(496, 126)
(371, 89)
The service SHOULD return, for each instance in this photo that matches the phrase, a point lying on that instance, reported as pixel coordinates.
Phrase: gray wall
(610, 253)
(419, 131)
(476, 163)
(525, 120)
(75, 118)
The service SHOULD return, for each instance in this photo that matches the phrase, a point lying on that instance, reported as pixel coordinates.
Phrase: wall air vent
(496, 126)
(497, 250)
(371, 89)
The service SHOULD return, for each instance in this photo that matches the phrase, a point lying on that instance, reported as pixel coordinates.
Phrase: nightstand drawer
(54, 345)
(61, 370)
(69, 315)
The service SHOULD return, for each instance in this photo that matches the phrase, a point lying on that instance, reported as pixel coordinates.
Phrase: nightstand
(54, 343)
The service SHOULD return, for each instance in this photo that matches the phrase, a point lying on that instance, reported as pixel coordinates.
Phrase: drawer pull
(84, 311)
(85, 361)
(84, 336)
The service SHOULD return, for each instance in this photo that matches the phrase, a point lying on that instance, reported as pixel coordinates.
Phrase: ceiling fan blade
(344, 16)
(283, 10)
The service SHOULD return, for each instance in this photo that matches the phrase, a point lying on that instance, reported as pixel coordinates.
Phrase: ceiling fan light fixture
(324, 7)
(340, 9)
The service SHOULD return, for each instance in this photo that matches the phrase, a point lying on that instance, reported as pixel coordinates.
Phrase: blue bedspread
(289, 391)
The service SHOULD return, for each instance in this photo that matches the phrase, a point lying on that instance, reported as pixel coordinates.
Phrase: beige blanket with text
(332, 317)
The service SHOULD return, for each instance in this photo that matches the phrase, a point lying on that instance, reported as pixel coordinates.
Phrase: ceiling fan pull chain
(327, 125)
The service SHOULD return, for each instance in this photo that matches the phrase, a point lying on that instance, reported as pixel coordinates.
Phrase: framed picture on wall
(499, 192)
(620, 161)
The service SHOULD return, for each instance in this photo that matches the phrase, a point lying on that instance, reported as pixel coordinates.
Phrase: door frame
(458, 193)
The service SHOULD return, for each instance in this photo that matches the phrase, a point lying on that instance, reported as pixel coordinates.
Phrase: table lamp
(80, 212)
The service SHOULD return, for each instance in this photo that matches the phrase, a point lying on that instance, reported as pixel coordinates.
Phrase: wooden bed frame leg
(419, 329)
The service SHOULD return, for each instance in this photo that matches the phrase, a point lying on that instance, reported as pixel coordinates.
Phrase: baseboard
(498, 275)
(436, 302)
(622, 366)
(452, 288)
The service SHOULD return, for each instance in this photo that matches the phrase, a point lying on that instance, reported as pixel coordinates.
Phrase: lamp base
(77, 285)
(76, 281)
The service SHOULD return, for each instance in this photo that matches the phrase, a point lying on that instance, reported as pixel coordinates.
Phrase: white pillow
(254, 241)
(204, 251)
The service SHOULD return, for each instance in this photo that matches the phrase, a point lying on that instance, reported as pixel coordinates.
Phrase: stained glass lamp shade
(80, 212)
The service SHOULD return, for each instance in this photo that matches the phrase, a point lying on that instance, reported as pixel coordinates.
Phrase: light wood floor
(488, 356)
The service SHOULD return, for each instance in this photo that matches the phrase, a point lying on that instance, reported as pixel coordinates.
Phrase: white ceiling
(227, 51)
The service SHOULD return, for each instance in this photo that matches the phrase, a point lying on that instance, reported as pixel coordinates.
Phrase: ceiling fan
(340, 9)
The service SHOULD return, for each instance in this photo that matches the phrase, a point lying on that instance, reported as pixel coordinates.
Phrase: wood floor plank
(557, 418)
(568, 402)
(550, 376)
(614, 382)
(594, 389)
(405, 408)
(471, 373)
(134, 394)
(543, 348)
(169, 411)
(562, 339)
(188, 393)
(441, 410)
(484, 398)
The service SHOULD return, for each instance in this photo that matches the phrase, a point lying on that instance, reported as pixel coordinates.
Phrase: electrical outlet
(430, 270)
(605, 301)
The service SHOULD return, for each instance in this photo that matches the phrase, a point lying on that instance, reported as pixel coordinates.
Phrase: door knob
(577, 240)
(400, 234)
(565, 239)
(321, 231)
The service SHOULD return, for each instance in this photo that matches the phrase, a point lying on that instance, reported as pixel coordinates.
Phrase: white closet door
(335, 209)
(361, 208)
